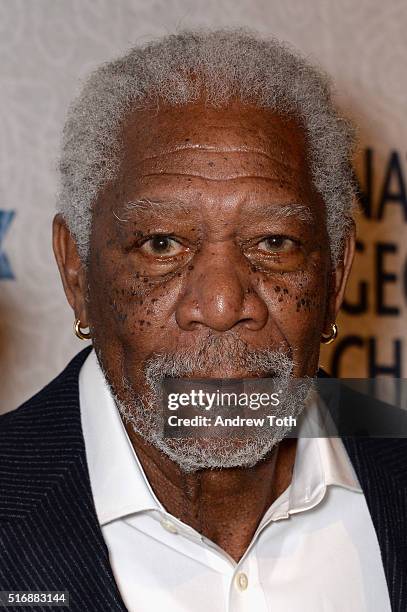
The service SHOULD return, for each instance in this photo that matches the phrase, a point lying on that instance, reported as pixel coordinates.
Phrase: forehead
(196, 152)
(236, 126)
(242, 130)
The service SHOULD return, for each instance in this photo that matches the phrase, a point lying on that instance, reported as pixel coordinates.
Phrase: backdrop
(47, 46)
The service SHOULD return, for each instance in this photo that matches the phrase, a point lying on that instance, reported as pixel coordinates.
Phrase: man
(205, 231)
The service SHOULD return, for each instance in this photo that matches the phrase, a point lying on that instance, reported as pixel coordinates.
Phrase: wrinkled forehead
(195, 129)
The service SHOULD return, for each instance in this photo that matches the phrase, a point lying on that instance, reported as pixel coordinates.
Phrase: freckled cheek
(136, 307)
(297, 305)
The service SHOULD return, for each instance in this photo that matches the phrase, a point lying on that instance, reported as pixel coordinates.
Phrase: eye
(162, 245)
(277, 244)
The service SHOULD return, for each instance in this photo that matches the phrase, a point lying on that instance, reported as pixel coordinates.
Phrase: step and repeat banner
(373, 321)
(47, 46)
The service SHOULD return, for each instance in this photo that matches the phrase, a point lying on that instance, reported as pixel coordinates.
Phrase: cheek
(134, 311)
(297, 303)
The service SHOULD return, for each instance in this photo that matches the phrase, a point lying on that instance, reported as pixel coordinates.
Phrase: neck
(224, 505)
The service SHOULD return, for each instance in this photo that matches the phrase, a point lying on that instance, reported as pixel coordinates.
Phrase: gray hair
(225, 64)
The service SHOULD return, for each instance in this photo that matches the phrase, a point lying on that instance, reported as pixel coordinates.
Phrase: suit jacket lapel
(53, 526)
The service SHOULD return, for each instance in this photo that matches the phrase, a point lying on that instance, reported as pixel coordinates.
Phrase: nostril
(253, 323)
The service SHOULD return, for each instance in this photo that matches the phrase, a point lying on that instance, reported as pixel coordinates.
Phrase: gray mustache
(220, 352)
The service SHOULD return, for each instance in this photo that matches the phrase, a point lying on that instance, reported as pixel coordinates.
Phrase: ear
(71, 269)
(339, 278)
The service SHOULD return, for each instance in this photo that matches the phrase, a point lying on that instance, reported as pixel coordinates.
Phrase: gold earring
(79, 333)
(328, 338)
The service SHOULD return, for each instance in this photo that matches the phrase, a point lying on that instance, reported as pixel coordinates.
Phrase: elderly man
(205, 231)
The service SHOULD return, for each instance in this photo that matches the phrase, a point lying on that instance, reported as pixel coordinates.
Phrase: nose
(219, 295)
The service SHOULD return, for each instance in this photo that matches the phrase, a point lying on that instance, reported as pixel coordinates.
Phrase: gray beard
(227, 353)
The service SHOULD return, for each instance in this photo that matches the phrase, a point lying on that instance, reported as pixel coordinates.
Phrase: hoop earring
(79, 333)
(328, 338)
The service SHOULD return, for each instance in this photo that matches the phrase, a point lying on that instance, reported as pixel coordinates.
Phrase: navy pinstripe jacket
(50, 538)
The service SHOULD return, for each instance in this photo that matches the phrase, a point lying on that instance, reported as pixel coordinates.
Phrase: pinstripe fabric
(49, 533)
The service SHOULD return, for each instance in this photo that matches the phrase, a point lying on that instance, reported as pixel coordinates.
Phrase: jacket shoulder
(39, 440)
(63, 385)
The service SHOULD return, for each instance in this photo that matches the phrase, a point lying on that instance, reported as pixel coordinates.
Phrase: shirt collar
(120, 486)
(320, 462)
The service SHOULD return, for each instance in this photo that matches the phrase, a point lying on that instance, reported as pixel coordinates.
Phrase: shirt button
(168, 526)
(242, 581)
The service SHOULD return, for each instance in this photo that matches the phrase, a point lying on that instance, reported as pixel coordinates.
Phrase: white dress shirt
(315, 549)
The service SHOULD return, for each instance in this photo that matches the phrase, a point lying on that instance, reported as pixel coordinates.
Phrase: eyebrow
(146, 205)
(164, 207)
(302, 212)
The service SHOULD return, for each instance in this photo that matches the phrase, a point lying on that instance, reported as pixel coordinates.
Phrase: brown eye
(162, 246)
(277, 244)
